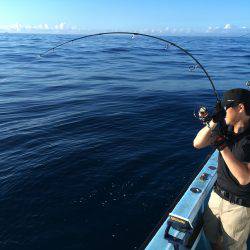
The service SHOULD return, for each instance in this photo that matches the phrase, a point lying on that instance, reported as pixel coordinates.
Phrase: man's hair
(247, 108)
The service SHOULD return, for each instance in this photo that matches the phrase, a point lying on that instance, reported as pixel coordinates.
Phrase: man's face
(231, 116)
(234, 113)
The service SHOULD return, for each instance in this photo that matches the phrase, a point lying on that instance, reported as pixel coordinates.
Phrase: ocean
(96, 136)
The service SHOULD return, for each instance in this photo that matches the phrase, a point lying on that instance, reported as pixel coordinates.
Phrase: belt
(230, 197)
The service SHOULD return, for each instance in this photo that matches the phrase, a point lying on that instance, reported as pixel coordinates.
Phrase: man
(227, 218)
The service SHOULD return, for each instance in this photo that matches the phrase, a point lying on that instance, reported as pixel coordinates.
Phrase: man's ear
(241, 107)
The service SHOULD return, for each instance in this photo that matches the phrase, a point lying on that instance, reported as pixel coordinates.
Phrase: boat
(182, 227)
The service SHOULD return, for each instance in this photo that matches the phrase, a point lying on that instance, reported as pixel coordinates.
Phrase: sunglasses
(231, 105)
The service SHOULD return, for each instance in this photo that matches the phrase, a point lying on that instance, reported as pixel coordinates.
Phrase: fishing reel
(202, 114)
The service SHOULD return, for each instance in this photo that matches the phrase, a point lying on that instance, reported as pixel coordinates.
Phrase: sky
(151, 16)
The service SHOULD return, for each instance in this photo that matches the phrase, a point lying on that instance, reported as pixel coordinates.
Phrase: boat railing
(183, 227)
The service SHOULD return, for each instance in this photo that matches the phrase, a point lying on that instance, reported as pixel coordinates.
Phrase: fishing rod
(202, 113)
(191, 68)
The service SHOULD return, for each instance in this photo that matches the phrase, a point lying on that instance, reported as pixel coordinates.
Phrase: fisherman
(227, 217)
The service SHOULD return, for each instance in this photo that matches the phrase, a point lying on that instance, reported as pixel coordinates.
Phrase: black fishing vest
(239, 144)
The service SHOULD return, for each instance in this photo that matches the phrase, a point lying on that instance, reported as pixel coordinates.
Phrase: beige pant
(226, 223)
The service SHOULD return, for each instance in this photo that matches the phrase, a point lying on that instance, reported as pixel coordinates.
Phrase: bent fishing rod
(198, 64)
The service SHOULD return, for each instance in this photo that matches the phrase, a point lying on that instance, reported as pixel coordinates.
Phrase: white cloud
(213, 29)
(63, 28)
(44, 28)
(227, 26)
(227, 29)
(12, 27)
(60, 26)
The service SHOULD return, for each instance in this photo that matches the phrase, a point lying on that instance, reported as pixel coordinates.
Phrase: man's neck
(241, 126)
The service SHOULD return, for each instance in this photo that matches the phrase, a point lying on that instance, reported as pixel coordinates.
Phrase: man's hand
(219, 113)
(218, 139)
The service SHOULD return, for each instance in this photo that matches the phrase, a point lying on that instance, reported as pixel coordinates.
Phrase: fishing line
(133, 34)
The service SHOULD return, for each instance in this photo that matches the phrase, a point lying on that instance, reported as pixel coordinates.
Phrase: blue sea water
(96, 137)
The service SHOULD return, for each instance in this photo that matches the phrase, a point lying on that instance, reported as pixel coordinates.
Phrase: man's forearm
(238, 169)
(202, 139)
